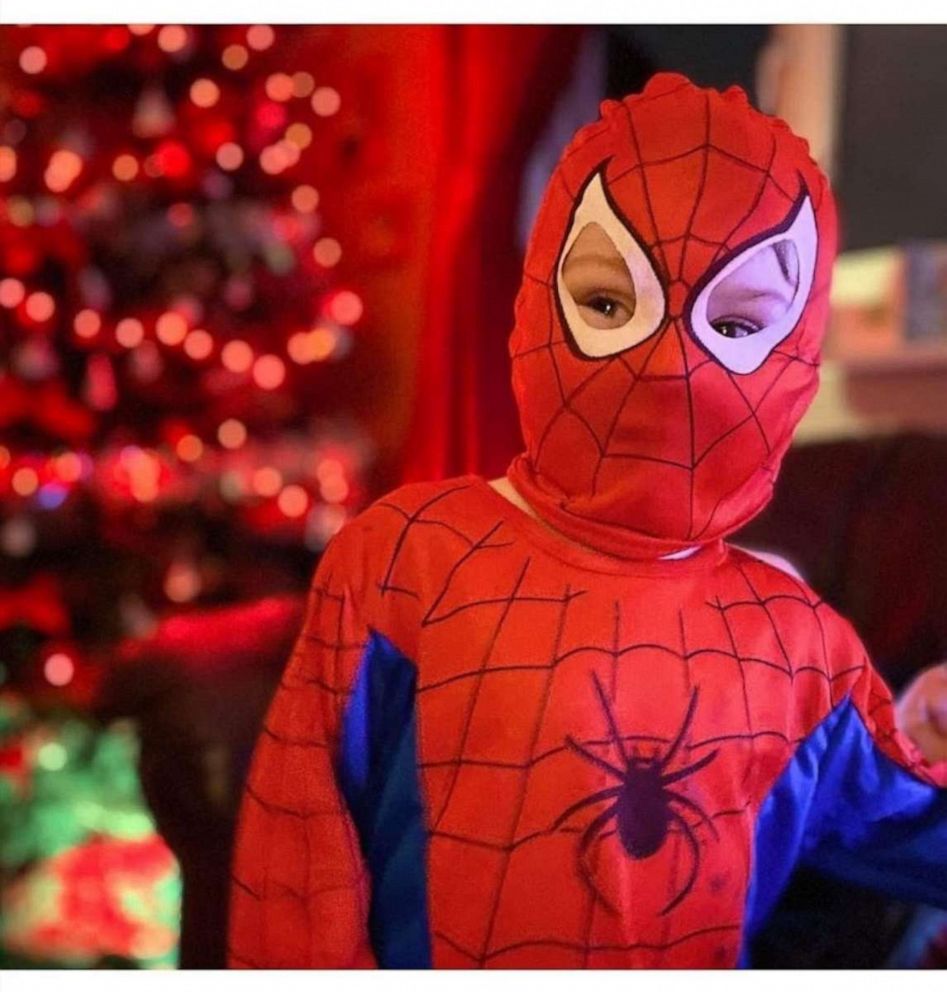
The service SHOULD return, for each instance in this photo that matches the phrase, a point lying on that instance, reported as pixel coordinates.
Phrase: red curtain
(501, 85)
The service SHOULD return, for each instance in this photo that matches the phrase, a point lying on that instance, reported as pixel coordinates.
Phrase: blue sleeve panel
(845, 808)
(378, 777)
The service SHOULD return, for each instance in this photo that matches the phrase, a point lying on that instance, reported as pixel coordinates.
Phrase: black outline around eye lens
(572, 344)
(745, 246)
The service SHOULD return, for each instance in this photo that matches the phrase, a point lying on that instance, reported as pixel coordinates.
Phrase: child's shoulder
(448, 501)
(777, 586)
(446, 505)
(431, 497)
(768, 574)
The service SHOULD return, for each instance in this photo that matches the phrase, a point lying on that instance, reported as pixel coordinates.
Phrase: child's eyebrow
(748, 296)
(590, 257)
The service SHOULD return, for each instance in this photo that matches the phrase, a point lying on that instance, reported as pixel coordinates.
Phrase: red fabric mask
(665, 429)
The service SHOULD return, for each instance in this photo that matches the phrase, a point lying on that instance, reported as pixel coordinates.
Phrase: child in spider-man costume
(556, 721)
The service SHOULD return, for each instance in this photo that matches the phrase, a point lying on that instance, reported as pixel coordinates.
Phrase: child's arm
(879, 813)
(330, 858)
(300, 893)
(856, 801)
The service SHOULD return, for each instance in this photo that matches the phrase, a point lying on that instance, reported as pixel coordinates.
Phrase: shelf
(910, 358)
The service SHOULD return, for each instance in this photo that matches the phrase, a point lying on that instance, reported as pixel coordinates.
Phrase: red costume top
(496, 745)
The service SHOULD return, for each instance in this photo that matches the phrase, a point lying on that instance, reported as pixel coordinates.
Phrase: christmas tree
(176, 321)
(85, 880)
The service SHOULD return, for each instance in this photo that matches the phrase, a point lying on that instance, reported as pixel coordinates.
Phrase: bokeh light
(329, 468)
(59, 669)
(293, 501)
(52, 495)
(333, 486)
(229, 156)
(125, 167)
(189, 448)
(7, 163)
(129, 332)
(231, 486)
(326, 101)
(323, 342)
(323, 523)
(69, 466)
(299, 134)
(63, 169)
(51, 756)
(12, 292)
(182, 582)
(143, 471)
(346, 307)
(269, 371)
(327, 252)
(260, 37)
(279, 87)
(172, 38)
(303, 84)
(236, 356)
(204, 92)
(116, 38)
(33, 60)
(232, 433)
(289, 152)
(235, 57)
(312, 346)
(40, 307)
(25, 481)
(20, 211)
(298, 348)
(171, 328)
(272, 161)
(305, 198)
(267, 481)
(87, 323)
(173, 159)
(198, 345)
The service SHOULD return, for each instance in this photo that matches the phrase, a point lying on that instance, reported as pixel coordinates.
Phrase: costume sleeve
(879, 813)
(300, 893)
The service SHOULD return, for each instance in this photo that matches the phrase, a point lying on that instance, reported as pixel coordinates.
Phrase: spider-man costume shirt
(598, 735)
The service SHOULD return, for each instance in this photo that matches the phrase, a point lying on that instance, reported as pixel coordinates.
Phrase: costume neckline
(539, 533)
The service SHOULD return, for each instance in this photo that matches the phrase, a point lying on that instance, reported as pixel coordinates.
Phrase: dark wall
(892, 149)
(717, 55)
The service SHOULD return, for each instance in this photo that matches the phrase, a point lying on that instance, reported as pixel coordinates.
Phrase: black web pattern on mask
(658, 251)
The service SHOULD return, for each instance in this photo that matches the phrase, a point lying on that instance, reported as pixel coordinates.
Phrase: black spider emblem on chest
(642, 804)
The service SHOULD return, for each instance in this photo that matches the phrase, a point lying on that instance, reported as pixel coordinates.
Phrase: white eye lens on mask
(649, 309)
(754, 301)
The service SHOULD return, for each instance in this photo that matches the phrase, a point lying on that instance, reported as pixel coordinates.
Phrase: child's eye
(605, 312)
(605, 305)
(734, 327)
(610, 296)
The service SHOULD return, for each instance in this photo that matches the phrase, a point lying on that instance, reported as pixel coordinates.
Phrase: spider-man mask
(668, 327)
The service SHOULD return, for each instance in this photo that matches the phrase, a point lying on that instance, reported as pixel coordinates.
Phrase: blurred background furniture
(197, 690)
